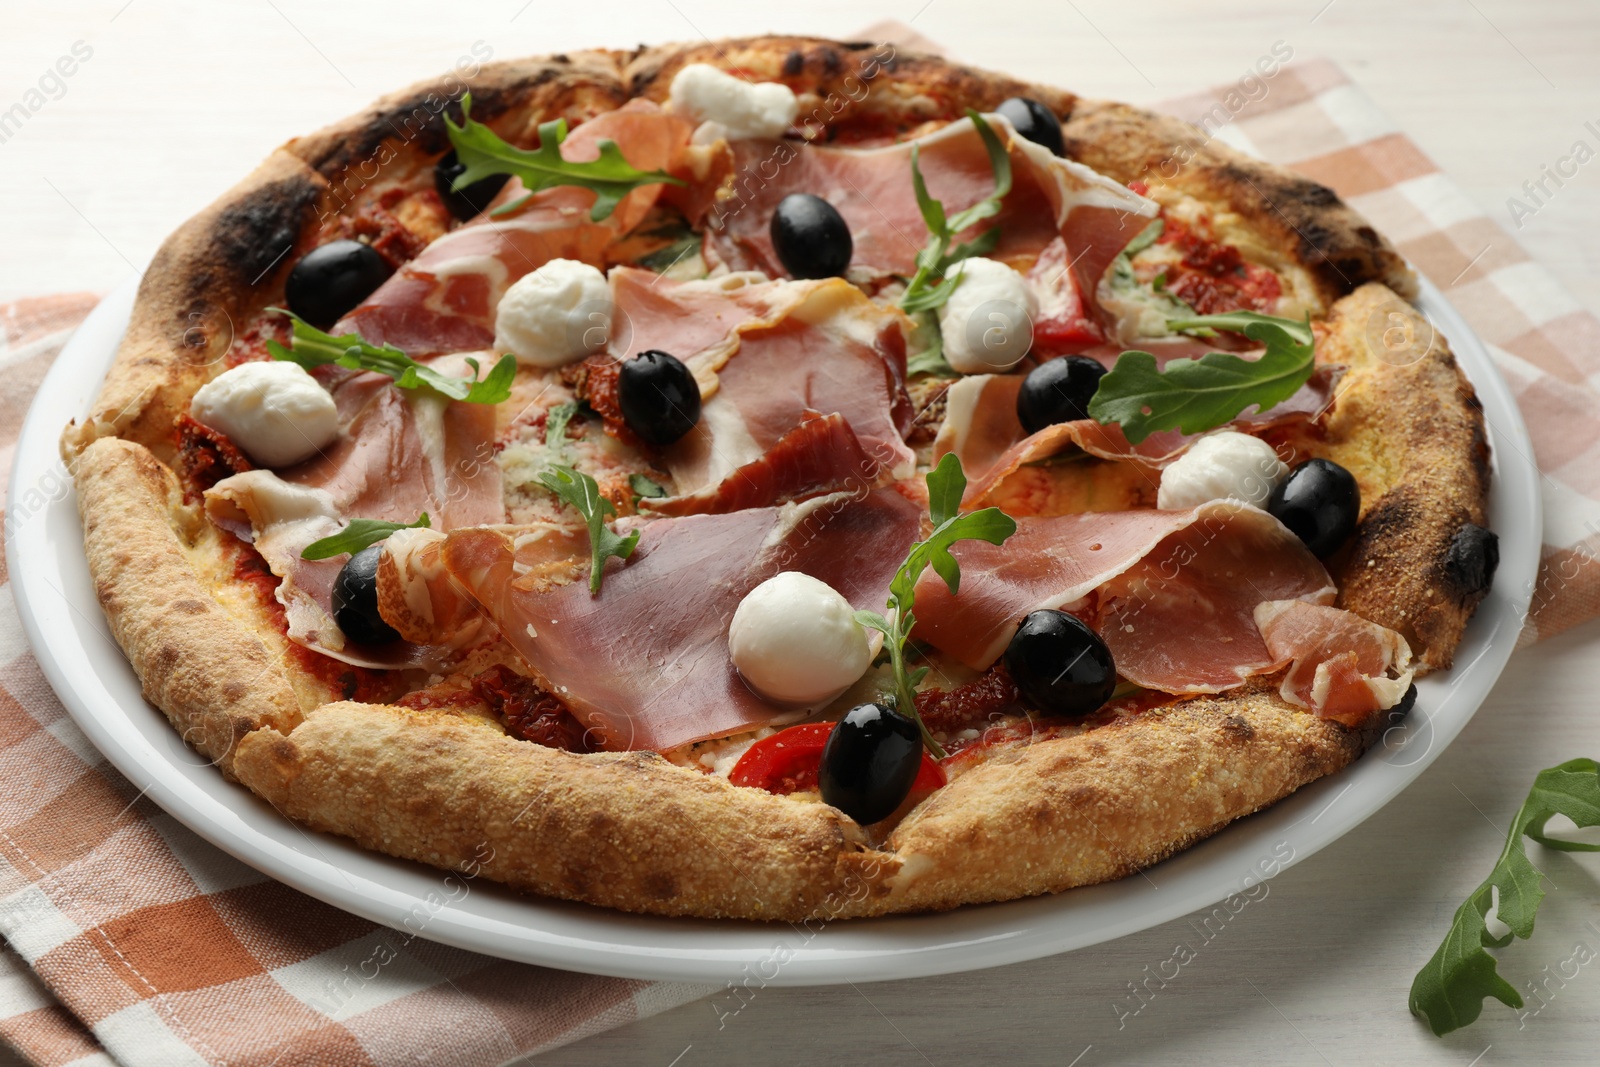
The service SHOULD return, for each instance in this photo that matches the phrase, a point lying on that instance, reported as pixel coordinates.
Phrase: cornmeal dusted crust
(633, 831)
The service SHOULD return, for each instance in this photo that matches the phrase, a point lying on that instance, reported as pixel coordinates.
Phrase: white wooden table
(180, 99)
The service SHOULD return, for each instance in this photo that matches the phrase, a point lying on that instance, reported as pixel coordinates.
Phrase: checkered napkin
(131, 940)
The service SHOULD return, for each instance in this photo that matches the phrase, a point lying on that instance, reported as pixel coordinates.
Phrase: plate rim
(499, 922)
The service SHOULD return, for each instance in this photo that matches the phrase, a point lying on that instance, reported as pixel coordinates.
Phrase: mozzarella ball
(274, 412)
(1221, 466)
(795, 640)
(743, 109)
(557, 315)
(987, 324)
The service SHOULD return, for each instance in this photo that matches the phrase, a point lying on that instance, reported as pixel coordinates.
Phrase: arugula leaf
(946, 485)
(555, 426)
(643, 486)
(483, 154)
(583, 493)
(1450, 990)
(937, 257)
(930, 358)
(1195, 395)
(311, 347)
(360, 534)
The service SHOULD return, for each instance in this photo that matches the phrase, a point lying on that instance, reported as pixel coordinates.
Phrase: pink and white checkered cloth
(129, 940)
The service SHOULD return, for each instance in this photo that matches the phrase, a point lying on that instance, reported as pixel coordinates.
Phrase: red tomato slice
(787, 762)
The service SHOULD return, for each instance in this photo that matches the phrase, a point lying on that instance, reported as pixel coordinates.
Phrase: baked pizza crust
(632, 830)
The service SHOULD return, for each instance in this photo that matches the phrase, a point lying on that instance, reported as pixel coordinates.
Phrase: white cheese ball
(1221, 466)
(743, 109)
(987, 324)
(557, 315)
(274, 412)
(795, 640)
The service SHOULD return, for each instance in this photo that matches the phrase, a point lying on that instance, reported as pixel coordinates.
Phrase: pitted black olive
(1061, 666)
(1320, 502)
(811, 237)
(355, 599)
(474, 199)
(1058, 390)
(332, 279)
(870, 762)
(1471, 561)
(659, 397)
(1034, 121)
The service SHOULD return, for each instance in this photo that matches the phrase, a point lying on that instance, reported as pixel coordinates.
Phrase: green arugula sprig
(1450, 990)
(1196, 395)
(484, 154)
(946, 484)
(359, 534)
(937, 257)
(311, 347)
(583, 493)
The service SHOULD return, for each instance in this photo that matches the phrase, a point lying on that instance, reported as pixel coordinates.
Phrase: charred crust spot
(1470, 562)
(660, 885)
(233, 692)
(188, 606)
(832, 63)
(793, 64)
(1237, 728)
(1398, 713)
(284, 750)
(252, 235)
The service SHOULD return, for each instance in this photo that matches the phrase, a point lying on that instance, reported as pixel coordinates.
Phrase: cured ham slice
(1343, 667)
(645, 664)
(445, 299)
(400, 454)
(1172, 593)
(1050, 198)
(982, 429)
(769, 357)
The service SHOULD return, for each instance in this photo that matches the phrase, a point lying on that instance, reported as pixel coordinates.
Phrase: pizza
(779, 478)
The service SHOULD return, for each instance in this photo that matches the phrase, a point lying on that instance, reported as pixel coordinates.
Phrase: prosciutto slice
(1342, 666)
(1050, 198)
(445, 299)
(400, 454)
(1172, 593)
(770, 358)
(982, 429)
(645, 664)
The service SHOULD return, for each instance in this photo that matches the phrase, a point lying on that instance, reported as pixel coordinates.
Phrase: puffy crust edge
(1408, 424)
(1326, 237)
(633, 831)
(213, 678)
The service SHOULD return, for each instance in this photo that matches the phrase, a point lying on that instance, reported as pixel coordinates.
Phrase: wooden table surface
(177, 100)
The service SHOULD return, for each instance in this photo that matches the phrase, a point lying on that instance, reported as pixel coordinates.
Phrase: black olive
(332, 279)
(474, 199)
(1471, 561)
(1320, 502)
(811, 237)
(1058, 390)
(1060, 665)
(869, 762)
(355, 599)
(1034, 121)
(659, 397)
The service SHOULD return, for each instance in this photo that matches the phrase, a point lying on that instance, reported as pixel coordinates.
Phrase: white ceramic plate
(69, 634)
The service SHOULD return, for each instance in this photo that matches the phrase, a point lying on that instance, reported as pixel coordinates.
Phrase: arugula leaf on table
(1450, 990)
(946, 485)
(583, 493)
(483, 154)
(937, 257)
(1195, 395)
(311, 347)
(359, 534)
